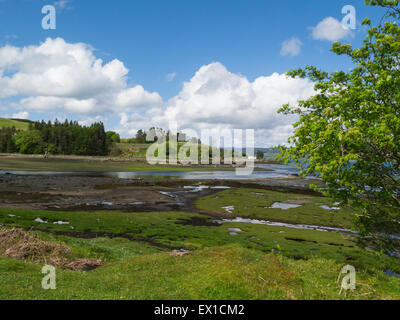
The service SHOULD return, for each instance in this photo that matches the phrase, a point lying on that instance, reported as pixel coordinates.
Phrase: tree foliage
(29, 142)
(113, 137)
(349, 131)
(141, 136)
(7, 144)
(68, 138)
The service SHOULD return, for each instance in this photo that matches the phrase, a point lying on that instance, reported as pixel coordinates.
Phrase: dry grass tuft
(85, 264)
(179, 253)
(18, 244)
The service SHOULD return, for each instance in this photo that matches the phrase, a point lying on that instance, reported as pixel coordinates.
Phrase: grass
(8, 123)
(137, 151)
(106, 249)
(21, 245)
(253, 203)
(261, 262)
(226, 272)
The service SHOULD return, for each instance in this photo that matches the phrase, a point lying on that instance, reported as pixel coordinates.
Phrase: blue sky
(164, 43)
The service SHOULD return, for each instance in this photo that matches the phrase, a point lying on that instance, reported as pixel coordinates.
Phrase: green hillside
(18, 124)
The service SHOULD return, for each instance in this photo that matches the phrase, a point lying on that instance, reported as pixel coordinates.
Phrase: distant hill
(17, 123)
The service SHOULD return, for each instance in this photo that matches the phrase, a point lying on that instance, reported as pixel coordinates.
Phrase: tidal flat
(175, 239)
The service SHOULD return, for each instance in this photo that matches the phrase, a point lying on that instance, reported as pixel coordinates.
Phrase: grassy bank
(9, 123)
(259, 262)
(228, 272)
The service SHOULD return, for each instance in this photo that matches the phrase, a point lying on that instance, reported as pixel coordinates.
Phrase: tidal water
(274, 171)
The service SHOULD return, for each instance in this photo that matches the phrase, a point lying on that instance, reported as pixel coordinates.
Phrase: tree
(260, 155)
(141, 136)
(6, 139)
(29, 142)
(113, 137)
(349, 131)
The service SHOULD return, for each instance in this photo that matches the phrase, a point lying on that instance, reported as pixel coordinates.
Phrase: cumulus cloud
(291, 47)
(61, 75)
(70, 105)
(21, 115)
(216, 99)
(59, 69)
(60, 78)
(330, 29)
(137, 97)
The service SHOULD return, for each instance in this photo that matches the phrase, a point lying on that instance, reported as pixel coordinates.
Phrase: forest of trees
(68, 138)
(7, 143)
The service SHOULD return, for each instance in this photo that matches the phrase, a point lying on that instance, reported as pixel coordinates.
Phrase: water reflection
(286, 225)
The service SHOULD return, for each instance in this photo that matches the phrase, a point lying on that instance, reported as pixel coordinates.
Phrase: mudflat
(102, 193)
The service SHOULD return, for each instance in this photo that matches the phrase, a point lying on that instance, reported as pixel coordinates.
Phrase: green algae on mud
(257, 203)
(164, 230)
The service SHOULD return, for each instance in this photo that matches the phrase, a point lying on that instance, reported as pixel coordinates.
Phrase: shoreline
(37, 163)
(112, 159)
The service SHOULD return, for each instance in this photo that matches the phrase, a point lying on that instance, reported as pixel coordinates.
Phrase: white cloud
(137, 97)
(330, 29)
(60, 78)
(46, 104)
(56, 68)
(291, 47)
(60, 75)
(87, 121)
(171, 76)
(21, 115)
(217, 99)
(62, 4)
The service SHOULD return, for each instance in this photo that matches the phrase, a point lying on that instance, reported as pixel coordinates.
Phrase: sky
(206, 64)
